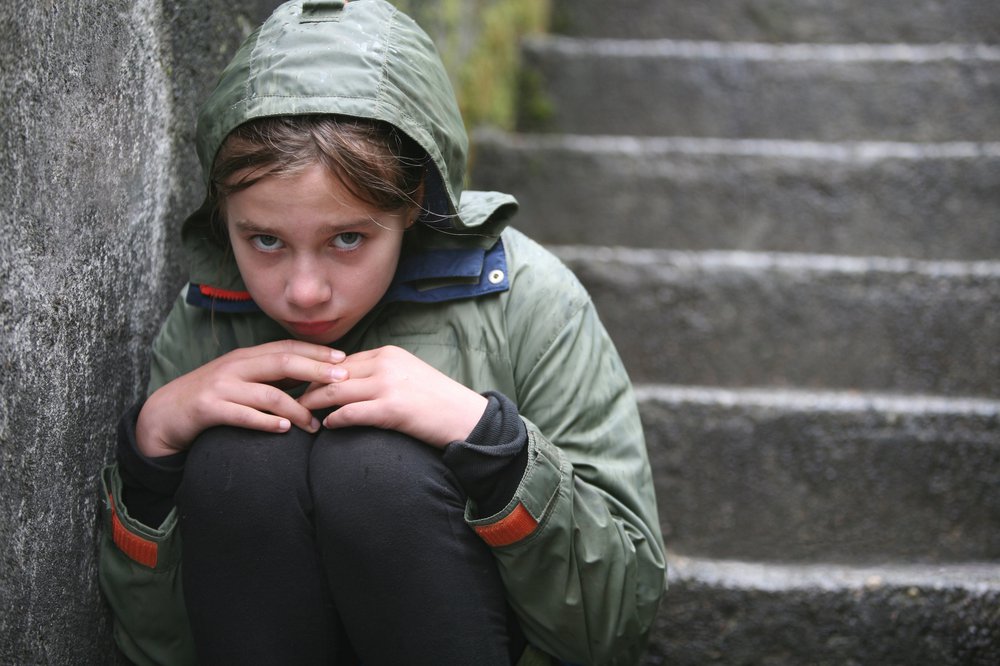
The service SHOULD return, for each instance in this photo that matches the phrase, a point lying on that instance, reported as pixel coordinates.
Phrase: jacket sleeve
(139, 573)
(139, 565)
(579, 546)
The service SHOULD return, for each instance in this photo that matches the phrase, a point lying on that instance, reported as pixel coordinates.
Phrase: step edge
(840, 151)
(763, 51)
(979, 578)
(777, 261)
(833, 401)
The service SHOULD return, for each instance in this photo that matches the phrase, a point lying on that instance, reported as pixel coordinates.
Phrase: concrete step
(734, 319)
(925, 201)
(824, 21)
(818, 476)
(942, 92)
(738, 613)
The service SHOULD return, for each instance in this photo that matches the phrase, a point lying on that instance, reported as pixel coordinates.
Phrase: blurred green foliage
(478, 41)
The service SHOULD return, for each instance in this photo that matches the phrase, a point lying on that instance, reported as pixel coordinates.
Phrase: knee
(233, 471)
(361, 475)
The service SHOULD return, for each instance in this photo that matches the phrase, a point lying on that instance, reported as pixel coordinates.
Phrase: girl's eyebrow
(330, 229)
(249, 226)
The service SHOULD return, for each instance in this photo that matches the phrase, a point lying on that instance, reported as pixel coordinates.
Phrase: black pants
(344, 547)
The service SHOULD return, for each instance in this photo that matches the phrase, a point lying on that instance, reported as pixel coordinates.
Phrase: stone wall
(96, 171)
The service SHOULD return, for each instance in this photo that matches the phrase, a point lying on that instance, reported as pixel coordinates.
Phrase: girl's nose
(308, 287)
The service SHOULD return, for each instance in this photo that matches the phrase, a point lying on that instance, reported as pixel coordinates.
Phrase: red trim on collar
(224, 294)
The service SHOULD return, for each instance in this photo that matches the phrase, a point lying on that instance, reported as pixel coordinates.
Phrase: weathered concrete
(821, 21)
(809, 321)
(800, 91)
(96, 175)
(724, 612)
(925, 201)
(824, 477)
(648, 147)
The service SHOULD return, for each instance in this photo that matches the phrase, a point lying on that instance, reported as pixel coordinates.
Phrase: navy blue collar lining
(489, 266)
(440, 264)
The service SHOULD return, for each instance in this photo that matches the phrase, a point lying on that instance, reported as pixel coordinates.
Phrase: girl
(386, 427)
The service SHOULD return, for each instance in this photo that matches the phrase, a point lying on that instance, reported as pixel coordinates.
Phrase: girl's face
(314, 257)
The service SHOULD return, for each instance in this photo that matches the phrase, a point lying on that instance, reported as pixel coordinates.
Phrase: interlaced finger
(281, 365)
(298, 348)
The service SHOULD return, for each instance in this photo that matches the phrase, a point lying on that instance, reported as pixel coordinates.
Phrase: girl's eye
(266, 243)
(348, 240)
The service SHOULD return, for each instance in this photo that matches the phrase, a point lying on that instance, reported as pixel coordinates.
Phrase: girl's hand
(390, 388)
(238, 389)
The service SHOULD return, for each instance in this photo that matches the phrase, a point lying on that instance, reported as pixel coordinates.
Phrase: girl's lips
(310, 327)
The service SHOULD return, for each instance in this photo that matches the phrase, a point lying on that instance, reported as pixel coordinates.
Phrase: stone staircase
(788, 214)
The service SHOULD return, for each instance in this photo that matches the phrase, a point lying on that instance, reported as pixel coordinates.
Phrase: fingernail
(314, 425)
(337, 355)
(284, 424)
(338, 374)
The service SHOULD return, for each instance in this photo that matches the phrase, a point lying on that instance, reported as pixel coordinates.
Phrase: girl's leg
(413, 583)
(254, 587)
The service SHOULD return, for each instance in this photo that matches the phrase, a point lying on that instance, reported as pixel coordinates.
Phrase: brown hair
(376, 162)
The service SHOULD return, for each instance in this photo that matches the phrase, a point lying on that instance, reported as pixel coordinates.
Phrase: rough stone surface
(826, 21)
(738, 613)
(811, 321)
(96, 175)
(936, 201)
(811, 92)
(825, 477)
(824, 413)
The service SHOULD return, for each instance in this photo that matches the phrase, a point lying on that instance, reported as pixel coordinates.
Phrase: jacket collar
(433, 275)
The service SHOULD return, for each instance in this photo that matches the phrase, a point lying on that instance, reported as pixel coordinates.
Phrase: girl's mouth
(310, 328)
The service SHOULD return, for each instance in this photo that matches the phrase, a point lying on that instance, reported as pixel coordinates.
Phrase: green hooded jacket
(579, 546)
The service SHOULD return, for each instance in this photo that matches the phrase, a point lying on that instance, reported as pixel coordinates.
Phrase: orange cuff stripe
(138, 549)
(225, 294)
(510, 529)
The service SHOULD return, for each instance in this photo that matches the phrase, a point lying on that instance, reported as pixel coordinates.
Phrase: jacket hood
(361, 58)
